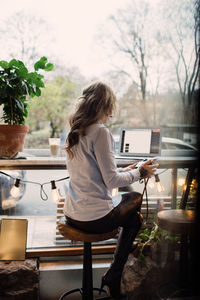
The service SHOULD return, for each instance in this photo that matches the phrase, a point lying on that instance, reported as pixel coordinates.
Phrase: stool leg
(87, 272)
(184, 261)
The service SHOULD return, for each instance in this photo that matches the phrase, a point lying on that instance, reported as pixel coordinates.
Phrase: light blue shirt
(93, 175)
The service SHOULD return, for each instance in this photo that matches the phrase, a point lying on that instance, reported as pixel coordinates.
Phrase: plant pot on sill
(12, 139)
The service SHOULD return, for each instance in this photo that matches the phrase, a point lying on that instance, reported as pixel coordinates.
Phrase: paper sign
(13, 239)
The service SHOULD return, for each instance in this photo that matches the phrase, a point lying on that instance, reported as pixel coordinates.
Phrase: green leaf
(43, 59)
(37, 66)
(49, 67)
(38, 92)
(21, 64)
(22, 71)
(32, 94)
(43, 64)
(40, 64)
(39, 76)
(39, 83)
(12, 63)
(25, 113)
(4, 64)
(32, 76)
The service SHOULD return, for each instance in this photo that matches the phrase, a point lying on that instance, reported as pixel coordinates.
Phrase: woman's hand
(147, 169)
(129, 168)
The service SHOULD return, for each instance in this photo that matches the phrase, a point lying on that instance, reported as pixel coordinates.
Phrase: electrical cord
(145, 180)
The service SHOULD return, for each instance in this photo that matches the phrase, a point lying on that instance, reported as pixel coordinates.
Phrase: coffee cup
(54, 144)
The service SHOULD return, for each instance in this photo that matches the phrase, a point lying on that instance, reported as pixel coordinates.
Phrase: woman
(93, 175)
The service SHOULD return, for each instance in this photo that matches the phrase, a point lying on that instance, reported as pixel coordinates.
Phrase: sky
(75, 23)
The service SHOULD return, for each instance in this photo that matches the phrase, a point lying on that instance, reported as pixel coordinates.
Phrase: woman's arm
(104, 152)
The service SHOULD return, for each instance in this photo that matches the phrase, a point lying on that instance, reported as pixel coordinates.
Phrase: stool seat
(177, 220)
(74, 234)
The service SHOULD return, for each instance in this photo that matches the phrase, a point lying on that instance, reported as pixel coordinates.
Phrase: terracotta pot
(12, 139)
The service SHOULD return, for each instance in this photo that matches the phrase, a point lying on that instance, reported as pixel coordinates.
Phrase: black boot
(112, 282)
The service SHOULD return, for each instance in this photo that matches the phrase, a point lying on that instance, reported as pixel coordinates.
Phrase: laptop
(139, 143)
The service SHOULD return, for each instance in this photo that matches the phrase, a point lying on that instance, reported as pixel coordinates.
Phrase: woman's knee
(134, 220)
(130, 204)
(136, 199)
(132, 197)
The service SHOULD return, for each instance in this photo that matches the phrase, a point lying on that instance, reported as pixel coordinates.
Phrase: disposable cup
(54, 144)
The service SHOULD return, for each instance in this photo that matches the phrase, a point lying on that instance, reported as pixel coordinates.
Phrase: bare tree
(130, 41)
(194, 77)
(180, 43)
(135, 52)
(25, 37)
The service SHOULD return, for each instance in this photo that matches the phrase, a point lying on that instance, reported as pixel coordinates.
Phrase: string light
(55, 193)
(56, 197)
(159, 186)
(15, 190)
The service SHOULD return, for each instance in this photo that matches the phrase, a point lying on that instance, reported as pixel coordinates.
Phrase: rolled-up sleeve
(104, 153)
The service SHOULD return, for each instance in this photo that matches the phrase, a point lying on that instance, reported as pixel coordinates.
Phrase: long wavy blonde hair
(96, 102)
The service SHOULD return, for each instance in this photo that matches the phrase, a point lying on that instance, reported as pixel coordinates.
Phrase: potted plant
(153, 242)
(16, 84)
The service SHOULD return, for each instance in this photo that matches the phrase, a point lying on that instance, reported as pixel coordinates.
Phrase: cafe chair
(182, 222)
(74, 234)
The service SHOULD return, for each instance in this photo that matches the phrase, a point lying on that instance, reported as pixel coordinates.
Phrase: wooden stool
(177, 220)
(74, 234)
(183, 222)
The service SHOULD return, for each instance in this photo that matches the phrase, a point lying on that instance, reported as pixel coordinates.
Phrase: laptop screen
(140, 142)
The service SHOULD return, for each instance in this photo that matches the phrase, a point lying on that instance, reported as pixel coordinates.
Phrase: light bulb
(55, 195)
(181, 181)
(159, 186)
(15, 190)
(151, 184)
(54, 192)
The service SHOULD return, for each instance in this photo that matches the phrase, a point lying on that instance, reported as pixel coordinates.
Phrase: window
(86, 48)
